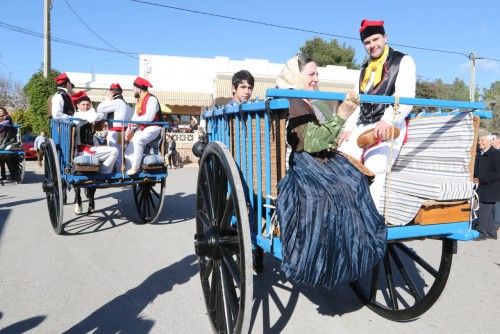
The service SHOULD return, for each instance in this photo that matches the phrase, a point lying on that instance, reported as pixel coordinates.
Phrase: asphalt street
(110, 275)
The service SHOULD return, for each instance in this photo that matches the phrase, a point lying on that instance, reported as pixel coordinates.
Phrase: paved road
(110, 275)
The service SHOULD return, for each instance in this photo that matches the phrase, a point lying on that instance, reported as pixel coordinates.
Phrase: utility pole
(472, 83)
(46, 39)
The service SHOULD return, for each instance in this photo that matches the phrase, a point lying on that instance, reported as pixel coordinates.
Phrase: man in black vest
(387, 72)
(60, 105)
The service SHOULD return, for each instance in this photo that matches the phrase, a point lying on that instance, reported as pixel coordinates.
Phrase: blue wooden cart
(242, 160)
(12, 153)
(61, 173)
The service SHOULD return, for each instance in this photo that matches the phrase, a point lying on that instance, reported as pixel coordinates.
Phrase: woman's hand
(350, 104)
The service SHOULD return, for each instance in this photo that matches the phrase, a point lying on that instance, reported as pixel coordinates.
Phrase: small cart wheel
(149, 199)
(407, 284)
(52, 185)
(222, 242)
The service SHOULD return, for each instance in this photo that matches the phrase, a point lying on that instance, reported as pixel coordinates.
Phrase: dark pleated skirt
(331, 231)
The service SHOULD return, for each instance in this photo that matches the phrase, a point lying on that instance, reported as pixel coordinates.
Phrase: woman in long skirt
(331, 231)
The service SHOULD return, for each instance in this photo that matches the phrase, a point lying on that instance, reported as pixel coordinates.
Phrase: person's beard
(137, 95)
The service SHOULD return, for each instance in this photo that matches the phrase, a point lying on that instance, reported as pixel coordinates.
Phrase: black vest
(372, 112)
(68, 107)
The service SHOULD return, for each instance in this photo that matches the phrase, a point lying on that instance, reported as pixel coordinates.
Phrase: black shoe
(258, 260)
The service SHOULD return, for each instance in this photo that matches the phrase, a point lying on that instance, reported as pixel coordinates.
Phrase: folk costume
(85, 140)
(60, 105)
(331, 232)
(117, 110)
(147, 109)
(393, 73)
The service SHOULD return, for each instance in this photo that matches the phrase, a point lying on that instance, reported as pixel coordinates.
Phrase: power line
(59, 40)
(294, 28)
(93, 32)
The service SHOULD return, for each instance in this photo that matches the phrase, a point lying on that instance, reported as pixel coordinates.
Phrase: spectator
(171, 151)
(487, 177)
(37, 145)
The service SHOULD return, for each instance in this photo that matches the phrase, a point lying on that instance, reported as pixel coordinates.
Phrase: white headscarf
(290, 75)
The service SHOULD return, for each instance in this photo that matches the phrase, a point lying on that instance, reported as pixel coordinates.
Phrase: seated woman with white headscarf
(331, 231)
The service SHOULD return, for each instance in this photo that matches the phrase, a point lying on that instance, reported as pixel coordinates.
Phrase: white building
(186, 86)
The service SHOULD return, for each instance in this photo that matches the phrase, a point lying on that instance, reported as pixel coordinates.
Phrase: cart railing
(255, 134)
(63, 135)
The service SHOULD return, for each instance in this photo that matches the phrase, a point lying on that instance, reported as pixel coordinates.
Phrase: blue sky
(458, 26)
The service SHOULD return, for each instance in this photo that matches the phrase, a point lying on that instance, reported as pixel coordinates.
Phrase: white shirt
(58, 105)
(405, 86)
(90, 116)
(152, 107)
(119, 107)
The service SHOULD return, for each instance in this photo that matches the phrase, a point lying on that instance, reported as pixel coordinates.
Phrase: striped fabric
(86, 160)
(153, 160)
(433, 164)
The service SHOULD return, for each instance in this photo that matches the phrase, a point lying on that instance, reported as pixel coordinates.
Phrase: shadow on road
(178, 208)
(23, 326)
(273, 291)
(122, 314)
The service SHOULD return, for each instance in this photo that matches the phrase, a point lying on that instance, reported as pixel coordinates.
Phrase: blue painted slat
(457, 231)
(307, 94)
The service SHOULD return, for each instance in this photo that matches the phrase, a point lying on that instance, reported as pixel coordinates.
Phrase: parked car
(28, 146)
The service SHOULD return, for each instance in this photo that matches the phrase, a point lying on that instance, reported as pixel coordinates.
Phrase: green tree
(438, 89)
(329, 53)
(491, 96)
(38, 89)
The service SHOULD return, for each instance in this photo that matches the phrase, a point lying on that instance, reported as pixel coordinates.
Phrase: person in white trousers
(147, 109)
(387, 72)
(115, 108)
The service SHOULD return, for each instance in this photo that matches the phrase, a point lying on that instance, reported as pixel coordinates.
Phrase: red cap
(142, 83)
(61, 79)
(369, 28)
(115, 86)
(79, 97)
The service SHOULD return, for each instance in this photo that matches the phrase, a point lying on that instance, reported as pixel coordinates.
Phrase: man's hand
(129, 135)
(382, 131)
(344, 137)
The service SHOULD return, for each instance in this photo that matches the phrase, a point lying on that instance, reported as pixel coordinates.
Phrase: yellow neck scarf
(375, 65)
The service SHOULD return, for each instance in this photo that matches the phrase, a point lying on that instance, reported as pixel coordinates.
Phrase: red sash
(84, 149)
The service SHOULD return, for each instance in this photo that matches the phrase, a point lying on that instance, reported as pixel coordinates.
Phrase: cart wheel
(408, 284)
(222, 242)
(149, 199)
(52, 186)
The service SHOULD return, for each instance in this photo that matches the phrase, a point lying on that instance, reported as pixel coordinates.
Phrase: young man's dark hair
(241, 76)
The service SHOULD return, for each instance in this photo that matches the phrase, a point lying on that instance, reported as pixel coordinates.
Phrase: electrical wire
(59, 40)
(232, 18)
(95, 34)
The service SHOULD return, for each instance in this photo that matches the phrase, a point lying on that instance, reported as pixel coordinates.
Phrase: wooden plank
(442, 214)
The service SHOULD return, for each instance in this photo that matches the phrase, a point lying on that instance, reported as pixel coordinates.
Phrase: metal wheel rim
(148, 200)
(395, 307)
(224, 255)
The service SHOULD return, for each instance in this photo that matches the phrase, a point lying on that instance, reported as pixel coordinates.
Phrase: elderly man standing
(147, 109)
(116, 109)
(487, 177)
(60, 104)
(387, 72)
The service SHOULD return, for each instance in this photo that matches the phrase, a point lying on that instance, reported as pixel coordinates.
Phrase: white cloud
(485, 65)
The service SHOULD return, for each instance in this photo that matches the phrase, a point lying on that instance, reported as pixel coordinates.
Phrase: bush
(38, 89)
